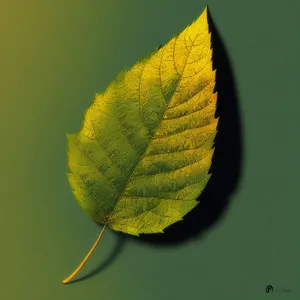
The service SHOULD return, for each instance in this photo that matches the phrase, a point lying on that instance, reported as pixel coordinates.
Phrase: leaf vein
(174, 170)
(94, 165)
(159, 137)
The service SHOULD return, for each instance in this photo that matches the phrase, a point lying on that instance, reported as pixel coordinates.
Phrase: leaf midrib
(156, 128)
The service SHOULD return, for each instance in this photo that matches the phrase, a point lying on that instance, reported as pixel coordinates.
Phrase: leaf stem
(68, 279)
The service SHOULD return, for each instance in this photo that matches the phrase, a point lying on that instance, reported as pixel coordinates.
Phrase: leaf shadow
(226, 165)
(119, 246)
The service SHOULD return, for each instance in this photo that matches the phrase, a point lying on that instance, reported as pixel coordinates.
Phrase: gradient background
(54, 56)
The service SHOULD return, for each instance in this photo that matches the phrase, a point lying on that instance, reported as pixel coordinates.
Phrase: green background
(54, 56)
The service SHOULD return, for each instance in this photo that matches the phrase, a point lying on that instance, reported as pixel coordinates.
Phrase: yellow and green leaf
(143, 154)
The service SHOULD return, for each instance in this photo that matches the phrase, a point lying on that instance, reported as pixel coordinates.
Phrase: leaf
(145, 148)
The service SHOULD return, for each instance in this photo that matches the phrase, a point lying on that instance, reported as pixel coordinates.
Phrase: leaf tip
(205, 12)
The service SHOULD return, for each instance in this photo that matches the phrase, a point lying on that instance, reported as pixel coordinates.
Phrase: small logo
(269, 289)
